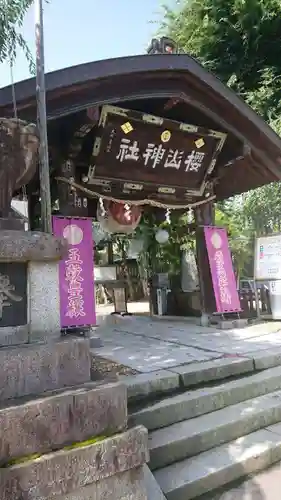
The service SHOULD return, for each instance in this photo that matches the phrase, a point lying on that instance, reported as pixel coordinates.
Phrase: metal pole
(45, 190)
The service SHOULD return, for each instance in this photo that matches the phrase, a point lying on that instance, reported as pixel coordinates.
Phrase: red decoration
(117, 217)
(125, 215)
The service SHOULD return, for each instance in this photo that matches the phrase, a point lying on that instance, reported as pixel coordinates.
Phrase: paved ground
(146, 344)
(263, 486)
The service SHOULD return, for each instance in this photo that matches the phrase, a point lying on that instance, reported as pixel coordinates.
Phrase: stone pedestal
(62, 437)
(29, 287)
(35, 368)
(67, 438)
(44, 300)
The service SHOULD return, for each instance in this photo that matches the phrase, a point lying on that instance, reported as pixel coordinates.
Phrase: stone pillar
(29, 288)
(44, 300)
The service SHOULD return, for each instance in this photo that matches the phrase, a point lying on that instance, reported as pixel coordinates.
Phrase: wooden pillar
(204, 216)
(110, 257)
(33, 212)
(71, 202)
(65, 193)
(44, 169)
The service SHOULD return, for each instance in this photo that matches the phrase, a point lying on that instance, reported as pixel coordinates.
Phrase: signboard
(13, 294)
(268, 258)
(151, 156)
(222, 273)
(105, 273)
(76, 272)
(275, 287)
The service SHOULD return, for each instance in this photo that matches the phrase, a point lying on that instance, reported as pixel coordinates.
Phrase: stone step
(191, 437)
(151, 384)
(200, 401)
(39, 367)
(153, 489)
(265, 485)
(83, 472)
(62, 418)
(146, 385)
(212, 469)
(217, 369)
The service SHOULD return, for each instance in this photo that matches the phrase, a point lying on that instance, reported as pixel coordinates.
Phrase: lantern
(162, 236)
(118, 217)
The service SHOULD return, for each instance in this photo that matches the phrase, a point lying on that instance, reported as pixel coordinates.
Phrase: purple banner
(222, 273)
(76, 272)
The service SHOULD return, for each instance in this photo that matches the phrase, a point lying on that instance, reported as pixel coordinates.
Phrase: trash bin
(159, 289)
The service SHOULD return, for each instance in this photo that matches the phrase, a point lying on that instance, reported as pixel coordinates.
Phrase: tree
(240, 238)
(262, 209)
(12, 14)
(236, 39)
(239, 41)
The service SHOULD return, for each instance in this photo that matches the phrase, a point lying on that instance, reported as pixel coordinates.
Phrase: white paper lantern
(162, 236)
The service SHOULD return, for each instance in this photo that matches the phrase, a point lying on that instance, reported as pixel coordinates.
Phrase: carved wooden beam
(70, 202)
(91, 119)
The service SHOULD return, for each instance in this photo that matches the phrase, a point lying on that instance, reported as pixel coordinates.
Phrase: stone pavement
(262, 486)
(146, 344)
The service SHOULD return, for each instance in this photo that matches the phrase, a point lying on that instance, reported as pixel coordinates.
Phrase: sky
(78, 31)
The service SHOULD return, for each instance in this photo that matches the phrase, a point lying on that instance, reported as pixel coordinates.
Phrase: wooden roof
(176, 87)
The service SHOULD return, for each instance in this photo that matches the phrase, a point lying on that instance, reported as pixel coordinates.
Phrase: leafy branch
(12, 14)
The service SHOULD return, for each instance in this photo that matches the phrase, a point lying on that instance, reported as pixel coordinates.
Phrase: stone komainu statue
(163, 45)
(19, 144)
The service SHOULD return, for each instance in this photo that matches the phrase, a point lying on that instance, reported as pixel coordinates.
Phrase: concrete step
(39, 367)
(201, 401)
(212, 469)
(191, 437)
(153, 490)
(148, 385)
(264, 485)
(217, 369)
(82, 472)
(61, 418)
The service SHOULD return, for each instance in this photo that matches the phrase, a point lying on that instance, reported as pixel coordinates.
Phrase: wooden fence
(248, 301)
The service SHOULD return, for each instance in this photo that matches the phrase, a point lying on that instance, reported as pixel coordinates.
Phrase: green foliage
(12, 14)
(240, 238)
(239, 41)
(167, 257)
(262, 209)
(266, 98)
(236, 39)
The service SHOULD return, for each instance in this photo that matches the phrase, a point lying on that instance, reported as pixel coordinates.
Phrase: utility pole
(44, 172)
